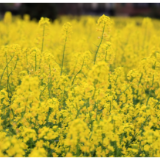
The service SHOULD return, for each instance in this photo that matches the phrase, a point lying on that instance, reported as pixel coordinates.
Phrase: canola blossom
(82, 87)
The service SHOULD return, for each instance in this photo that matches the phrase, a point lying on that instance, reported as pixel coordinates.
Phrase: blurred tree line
(52, 10)
(36, 10)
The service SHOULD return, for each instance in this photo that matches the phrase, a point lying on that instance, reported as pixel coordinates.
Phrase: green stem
(137, 133)
(49, 89)
(78, 72)
(43, 38)
(63, 54)
(99, 45)
(49, 82)
(27, 63)
(35, 62)
(94, 91)
(5, 68)
(7, 77)
(11, 74)
(106, 54)
(122, 93)
(42, 45)
(150, 91)
(75, 66)
(43, 91)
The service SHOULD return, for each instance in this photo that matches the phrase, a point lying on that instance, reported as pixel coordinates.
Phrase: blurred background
(53, 10)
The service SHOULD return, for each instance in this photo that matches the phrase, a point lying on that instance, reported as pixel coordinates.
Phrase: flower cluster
(65, 92)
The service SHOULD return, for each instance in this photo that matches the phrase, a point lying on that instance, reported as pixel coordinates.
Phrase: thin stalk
(63, 54)
(35, 61)
(12, 72)
(49, 89)
(49, 82)
(5, 68)
(150, 91)
(106, 54)
(7, 77)
(42, 45)
(140, 130)
(122, 93)
(78, 72)
(43, 39)
(27, 63)
(43, 91)
(99, 45)
(94, 91)
(63, 98)
(75, 66)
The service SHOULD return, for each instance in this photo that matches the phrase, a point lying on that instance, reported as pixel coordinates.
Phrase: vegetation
(84, 88)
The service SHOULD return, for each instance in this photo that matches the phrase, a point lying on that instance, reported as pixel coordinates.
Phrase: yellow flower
(44, 21)
(38, 152)
(52, 146)
(69, 154)
(8, 17)
(54, 155)
(19, 154)
(11, 151)
(146, 147)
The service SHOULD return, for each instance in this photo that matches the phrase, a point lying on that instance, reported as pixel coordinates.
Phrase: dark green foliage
(36, 10)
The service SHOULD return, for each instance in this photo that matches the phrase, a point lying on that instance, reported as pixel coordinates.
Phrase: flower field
(83, 87)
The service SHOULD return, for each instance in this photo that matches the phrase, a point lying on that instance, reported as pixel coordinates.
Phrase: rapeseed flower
(67, 90)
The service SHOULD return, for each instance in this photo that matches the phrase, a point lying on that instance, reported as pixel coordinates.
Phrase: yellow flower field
(79, 86)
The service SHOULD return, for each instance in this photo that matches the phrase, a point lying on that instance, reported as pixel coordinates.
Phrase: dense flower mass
(87, 87)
